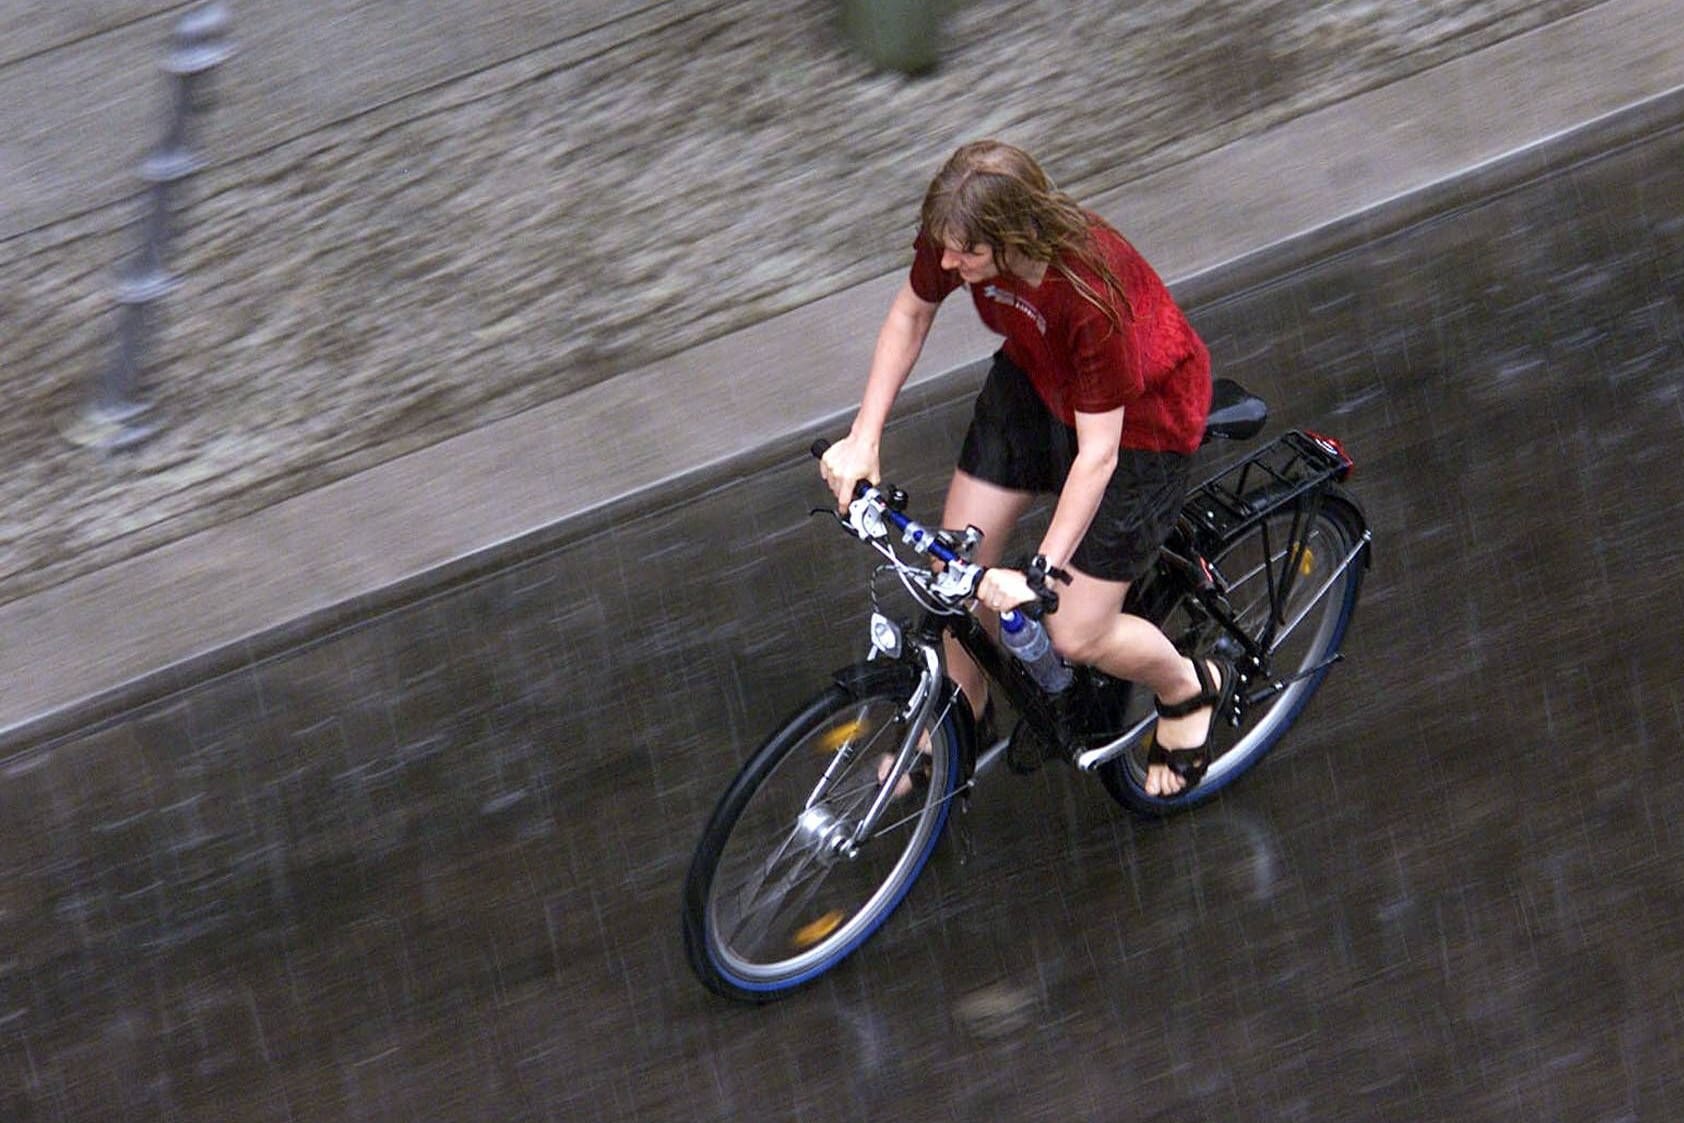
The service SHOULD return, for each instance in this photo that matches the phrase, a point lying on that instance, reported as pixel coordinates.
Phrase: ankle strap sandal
(1190, 763)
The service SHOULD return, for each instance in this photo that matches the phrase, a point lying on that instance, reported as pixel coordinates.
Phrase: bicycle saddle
(1235, 412)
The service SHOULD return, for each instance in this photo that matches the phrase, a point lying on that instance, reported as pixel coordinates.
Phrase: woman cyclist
(1098, 395)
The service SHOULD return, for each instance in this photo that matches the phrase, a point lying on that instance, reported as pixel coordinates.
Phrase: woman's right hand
(845, 463)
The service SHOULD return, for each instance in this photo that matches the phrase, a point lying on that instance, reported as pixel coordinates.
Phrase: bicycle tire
(762, 810)
(1336, 530)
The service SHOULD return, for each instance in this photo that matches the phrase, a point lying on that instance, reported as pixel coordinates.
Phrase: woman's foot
(1180, 743)
(918, 776)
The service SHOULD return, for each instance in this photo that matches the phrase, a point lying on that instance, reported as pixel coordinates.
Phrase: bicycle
(809, 851)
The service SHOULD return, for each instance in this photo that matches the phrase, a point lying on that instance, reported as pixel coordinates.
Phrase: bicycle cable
(913, 579)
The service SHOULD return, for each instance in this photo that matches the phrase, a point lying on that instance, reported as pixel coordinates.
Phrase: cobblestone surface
(509, 238)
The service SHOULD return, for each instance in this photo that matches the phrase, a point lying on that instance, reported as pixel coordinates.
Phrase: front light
(885, 636)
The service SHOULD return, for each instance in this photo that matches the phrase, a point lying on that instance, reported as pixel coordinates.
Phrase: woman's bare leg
(994, 510)
(1090, 627)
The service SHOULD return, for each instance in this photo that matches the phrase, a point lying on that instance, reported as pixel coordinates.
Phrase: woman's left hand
(1001, 589)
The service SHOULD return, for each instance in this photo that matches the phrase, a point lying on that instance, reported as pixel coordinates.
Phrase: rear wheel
(773, 900)
(1320, 597)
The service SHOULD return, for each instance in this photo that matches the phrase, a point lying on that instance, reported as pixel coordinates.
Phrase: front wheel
(773, 899)
(1322, 578)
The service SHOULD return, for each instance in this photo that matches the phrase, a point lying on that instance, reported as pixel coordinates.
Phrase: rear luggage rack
(1244, 492)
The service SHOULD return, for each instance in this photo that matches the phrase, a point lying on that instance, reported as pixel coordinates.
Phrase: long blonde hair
(993, 194)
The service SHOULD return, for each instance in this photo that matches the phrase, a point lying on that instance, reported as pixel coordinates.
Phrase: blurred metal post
(116, 417)
(901, 35)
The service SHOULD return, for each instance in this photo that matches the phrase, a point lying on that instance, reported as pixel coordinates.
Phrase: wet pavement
(428, 868)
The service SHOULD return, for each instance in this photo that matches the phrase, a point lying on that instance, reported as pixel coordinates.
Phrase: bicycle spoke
(769, 907)
(788, 894)
(1289, 584)
(1258, 606)
(849, 753)
(1311, 601)
(844, 802)
(916, 815)
(757, 874)
(861, 793)
(762, 893)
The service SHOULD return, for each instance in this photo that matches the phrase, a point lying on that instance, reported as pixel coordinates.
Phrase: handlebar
(890, 503)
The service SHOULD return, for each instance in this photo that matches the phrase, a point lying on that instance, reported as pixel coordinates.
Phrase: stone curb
(97, 646)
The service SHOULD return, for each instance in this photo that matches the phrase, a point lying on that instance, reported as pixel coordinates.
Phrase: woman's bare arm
(899, 342)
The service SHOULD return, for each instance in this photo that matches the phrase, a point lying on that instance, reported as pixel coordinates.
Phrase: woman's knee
(1076, 642)
(992, 509)
(1083, 629)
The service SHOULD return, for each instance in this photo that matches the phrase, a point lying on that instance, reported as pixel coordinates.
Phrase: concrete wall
(81, 93)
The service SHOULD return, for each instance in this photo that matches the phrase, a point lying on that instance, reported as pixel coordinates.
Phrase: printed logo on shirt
(1012, 300)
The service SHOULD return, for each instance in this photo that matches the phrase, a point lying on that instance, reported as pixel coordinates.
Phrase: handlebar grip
(1046, 602)
(818, 449)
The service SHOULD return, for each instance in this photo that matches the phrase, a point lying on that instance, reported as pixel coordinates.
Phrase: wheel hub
(825, 833)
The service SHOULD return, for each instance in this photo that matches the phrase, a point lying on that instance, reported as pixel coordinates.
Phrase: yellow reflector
(834, 739)
(1307, 563)
(809, 934)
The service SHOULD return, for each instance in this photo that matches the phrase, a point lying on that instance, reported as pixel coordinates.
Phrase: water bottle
(1026, 639)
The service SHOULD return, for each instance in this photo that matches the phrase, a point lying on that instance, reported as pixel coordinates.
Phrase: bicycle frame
(780, 890)
(1293, 471)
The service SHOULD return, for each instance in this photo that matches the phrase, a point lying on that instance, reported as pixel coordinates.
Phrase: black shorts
(1015, 442)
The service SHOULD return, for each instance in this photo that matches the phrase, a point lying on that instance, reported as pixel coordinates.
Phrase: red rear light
(1333, 448)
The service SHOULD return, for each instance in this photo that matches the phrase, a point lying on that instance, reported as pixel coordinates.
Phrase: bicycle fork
(838, 836)
(919, 709)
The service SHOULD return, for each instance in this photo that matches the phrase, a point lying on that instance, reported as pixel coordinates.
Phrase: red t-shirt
(1155, 367)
